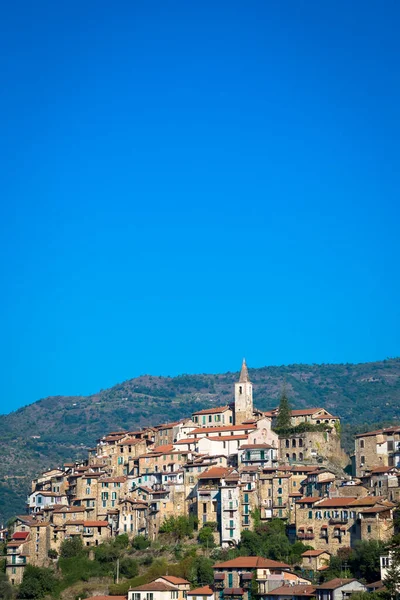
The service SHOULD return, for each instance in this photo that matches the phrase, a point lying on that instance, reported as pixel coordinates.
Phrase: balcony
(305, 536)
(281, 505)
(338, 521)
(230, 505)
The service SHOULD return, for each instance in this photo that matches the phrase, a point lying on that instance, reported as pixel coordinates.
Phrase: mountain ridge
(58, 428)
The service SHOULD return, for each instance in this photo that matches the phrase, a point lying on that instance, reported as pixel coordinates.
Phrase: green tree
(206, 537)
(36, 583)
(128, 567)
(283, 420)
(140, 542)
(365, 559)
(201, 571)
(6, 591)
(72, 547)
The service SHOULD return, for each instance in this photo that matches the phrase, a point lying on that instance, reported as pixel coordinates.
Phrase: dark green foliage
(128, 567)
(201, 571)
(270, 540)
(365, 560)
(140, 542)
(107, 552)
(71, 547)
(122, 541)
(36, 583)
(179, 527)
(283, 419)
(6, 591)
(52, 553)
(206, 537)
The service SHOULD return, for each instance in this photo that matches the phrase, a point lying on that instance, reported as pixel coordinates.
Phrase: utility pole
(117, 578)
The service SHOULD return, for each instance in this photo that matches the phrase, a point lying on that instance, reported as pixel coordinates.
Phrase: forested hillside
(361, 394)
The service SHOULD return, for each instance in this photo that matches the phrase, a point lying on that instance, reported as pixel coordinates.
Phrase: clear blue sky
(187, 183)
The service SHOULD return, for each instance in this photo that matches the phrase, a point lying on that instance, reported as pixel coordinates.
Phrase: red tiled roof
(251, 562)
(174, 580)
(382, 469)
(165, 448)
(95, 523)
(215, 473)
(293, 590)
(131, 442)
(20, 535)
(315, 552)
(332, 502)
(233, 592)
(209, 411)
(201, 591)
(308, 500)
(154, 586)
(333, 584)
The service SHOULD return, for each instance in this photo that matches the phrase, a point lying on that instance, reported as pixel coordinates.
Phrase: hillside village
(226, 467)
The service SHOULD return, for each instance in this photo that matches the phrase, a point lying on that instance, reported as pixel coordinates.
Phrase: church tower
(243, 396)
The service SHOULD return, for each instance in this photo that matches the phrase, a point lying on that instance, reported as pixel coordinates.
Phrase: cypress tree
(285, 412)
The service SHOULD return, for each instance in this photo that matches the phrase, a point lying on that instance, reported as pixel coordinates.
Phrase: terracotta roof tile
(201, 591)
(209, 411)
(251, 562)
(333, 584)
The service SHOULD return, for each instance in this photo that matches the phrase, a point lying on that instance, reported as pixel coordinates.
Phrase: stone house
(313, 561)
(133, 515)
(109, 491)
(380, 448)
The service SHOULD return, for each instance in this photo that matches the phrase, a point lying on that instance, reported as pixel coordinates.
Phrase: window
(369, 528)
(362, 444)
(363, 460)
(230, 580)
(149, 596)
(310, 514)
(279, 490)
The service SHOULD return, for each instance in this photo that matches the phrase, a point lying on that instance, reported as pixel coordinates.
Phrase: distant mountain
(361, 394)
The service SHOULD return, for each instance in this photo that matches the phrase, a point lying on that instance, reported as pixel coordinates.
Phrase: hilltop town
(227, 469)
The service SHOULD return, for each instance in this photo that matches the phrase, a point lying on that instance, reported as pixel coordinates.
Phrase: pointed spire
(244, 374)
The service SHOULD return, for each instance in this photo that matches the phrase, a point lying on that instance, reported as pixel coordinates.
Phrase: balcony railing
(338, 521)
(231, 505)
(305, 536)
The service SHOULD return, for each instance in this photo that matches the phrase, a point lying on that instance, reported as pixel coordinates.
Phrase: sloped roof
(209, 411)
(201, 591)
(251, 562)
(293, 590)
(333, 584)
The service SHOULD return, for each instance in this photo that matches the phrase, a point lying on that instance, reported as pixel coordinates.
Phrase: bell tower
(243, 396)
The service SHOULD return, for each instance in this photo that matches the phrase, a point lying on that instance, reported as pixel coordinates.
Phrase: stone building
(243, 397)
(313, 561)
(380, 448)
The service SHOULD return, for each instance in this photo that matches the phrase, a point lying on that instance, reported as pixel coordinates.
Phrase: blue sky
(184, 184)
